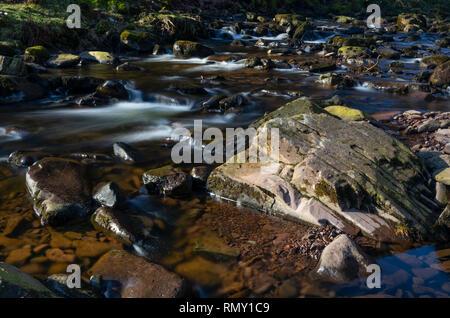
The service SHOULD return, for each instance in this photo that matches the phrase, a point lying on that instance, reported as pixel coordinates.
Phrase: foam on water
(364, 87)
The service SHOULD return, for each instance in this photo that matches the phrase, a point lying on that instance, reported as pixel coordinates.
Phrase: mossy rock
(352, 51)
(433, 61)
(36, 54)
(286, 19)
(8, 48)
(187, 49)
(346, 113)
(212, 246)
(301, 30)
(441, 75)
(139, 41)
(343, 41)
(443, 176)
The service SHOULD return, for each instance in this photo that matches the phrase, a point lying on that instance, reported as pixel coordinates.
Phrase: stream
(161, 99)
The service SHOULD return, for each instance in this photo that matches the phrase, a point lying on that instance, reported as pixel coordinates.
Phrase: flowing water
(155, 109)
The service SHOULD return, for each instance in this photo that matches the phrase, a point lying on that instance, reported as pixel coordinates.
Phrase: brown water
(147, 120)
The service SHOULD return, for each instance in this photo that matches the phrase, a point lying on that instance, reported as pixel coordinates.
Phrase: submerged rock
(137, 277)
(168, 181)
(17, 284)
(59, 190)
(322, 67)
(342, 260)
(187, 49)
(330, 171)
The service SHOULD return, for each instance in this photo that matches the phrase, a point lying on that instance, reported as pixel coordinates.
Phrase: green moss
(128, 35)
(346, 113)
(323, 189)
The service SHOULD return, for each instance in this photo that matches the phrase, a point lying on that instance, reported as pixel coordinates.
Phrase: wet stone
(108, 194)
(125, 152)
(113, 223)
(137, 277)
(342, 260)
(168, 180)
(17, 284)
(59, 190)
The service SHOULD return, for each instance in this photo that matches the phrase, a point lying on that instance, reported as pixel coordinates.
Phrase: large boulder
(330, 171)
(441, 75)
(16, 284)
(59, 190)
(137, 277)
(342, 261)
(187, 49)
